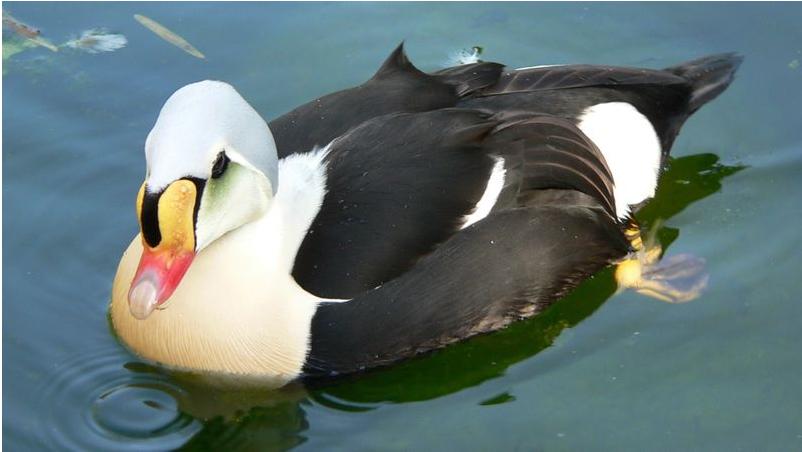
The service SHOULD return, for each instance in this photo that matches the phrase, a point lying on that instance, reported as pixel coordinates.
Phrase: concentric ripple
(100, 401)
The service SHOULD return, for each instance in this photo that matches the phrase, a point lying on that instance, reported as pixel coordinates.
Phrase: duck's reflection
(247, 419)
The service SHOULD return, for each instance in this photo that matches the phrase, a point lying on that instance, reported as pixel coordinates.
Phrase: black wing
(396, 186)
(510, 266)
(550, 161)
(400, 185)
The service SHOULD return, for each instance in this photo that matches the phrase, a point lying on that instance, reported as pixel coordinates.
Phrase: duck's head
(211, 168)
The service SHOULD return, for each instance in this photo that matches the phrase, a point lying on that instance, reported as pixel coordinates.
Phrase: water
(598, 371)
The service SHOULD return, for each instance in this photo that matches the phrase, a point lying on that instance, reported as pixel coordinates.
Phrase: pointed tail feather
(709, 76)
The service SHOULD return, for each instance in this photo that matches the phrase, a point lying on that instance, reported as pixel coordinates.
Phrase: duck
(394, 218)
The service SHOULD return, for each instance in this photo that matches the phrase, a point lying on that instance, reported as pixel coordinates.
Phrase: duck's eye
(220, 165)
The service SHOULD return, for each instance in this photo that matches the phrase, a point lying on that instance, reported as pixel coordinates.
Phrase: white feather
(493, 189)
(631, 148)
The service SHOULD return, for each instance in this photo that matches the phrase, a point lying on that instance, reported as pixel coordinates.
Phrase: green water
(597, 371)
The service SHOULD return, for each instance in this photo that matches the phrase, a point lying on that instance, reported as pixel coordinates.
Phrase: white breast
(223, 318)
(238, 310)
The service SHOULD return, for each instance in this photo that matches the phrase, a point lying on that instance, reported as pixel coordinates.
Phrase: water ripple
(100, 401)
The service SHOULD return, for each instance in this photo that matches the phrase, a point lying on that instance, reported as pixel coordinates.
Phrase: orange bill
(162, 267)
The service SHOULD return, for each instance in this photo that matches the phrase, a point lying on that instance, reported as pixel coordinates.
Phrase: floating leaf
(164, 33)
(26, 31)
(22, 29)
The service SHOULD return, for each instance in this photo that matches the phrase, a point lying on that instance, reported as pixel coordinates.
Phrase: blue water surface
(598, 371)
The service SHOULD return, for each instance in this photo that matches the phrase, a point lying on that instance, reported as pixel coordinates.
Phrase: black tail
(709, 76)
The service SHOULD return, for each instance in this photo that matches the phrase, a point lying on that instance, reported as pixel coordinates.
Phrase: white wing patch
(494, 185)
(631, 148)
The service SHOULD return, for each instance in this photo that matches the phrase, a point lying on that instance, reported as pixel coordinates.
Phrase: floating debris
(168, 35)
(97, 40)
(465, 56)
(26, 31)
(793, 64)
(504, 397)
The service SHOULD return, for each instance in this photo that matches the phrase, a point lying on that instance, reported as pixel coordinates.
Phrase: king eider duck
(394, 218)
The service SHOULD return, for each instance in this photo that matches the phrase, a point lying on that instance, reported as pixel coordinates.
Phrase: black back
(397, 87)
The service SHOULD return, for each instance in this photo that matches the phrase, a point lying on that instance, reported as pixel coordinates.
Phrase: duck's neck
(238, 309)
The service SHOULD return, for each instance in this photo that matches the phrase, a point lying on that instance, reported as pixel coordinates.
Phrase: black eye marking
(149, 219)
(220, 165)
